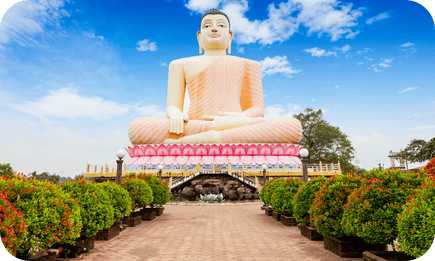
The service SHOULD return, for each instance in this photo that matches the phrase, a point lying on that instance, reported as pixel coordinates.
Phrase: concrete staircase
(177, 181)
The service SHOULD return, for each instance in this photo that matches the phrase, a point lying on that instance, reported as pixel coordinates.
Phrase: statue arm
(251, 99)
(175, 99)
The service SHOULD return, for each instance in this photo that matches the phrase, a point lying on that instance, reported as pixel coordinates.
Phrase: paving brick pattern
(211, 232)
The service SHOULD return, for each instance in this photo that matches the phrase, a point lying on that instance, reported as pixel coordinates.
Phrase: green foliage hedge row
(282, 198)
(119, 197)
(270, 188)
(161, 194)
(141, 194)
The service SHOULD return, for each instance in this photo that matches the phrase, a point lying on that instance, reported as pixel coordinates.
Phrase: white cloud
(336, 87)
(384, 64)
(330, 17)
(361, 138)
(366, 50)
(92, 35)
(377, 135)
(163, 64)
(343, 49)
(150, 111)
(145, 45)
(370, 59)
(67, 104)
(279, 111)
(319, 52)
(423, 128)
(240, 50)
(202, 6)
(27, 19)
(360, 63)
(277, 64)
(408, 89)
(312, 100)
(408, 44)
(377, 18)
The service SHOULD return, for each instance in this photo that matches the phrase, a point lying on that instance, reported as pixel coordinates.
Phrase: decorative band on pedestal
(192, 154)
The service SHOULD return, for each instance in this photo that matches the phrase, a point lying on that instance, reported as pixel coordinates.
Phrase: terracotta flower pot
(288, 220)
(350, 247)
(159, 211)
(268, 211)
(108, 233)
(311, 233)
(82, 245)
(132, 220)
(277, 215)
(385, 256)
(148, 214)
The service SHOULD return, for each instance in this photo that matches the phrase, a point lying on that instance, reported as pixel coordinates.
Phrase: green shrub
(264, 190)
(95, 205)
(141, 194)
(120, 199)
(304, 198)
(371, 210)
(13, 228)
(282, 197)
(161, 192)
(416, 221)
(327, 209)
(274, 184)
(52, 215)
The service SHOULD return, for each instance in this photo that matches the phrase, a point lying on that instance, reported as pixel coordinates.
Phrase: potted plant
(96, 212)
(51, 215)
(416, 221)
(264, 190)
(371, 210)
(326, 214)
(13, 228)
(274, 184)
(141, 195)
(121, 202)
(302, 202)
(282, 200)
(160, 190)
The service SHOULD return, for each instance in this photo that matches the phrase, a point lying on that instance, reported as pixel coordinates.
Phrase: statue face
(215, 33)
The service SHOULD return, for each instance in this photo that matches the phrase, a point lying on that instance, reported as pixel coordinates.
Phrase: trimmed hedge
(304, 198)
(282, 197)
(141, 194)
(96, 210)
(120, 199)
(274, 184)
(161, 192)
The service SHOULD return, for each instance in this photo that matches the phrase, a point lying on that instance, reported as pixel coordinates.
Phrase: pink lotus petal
(227, 150)
(188, 150)
(285, 159)
(260, 159)
(214, 150)
(149, 150)
(182, 160)
(234, 160)
(296, 160)
(221, 159)
(194, 159)
(278, 150)
(155, 160)
(169, 160)
(207, 160)
(246, 159)
(252, 150)
(175, 150)
(162, 150)
(239, 150)
(272, 159)
(132, 161)
(201, 150)
(265, 150)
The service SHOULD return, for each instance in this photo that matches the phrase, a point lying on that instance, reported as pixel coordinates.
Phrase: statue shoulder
(183, 61)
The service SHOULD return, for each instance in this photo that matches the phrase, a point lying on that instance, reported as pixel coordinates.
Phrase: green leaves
(120, 198)
(282, 197)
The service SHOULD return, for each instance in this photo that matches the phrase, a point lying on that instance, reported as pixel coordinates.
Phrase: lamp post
(304, 153)
(264, 167)
(160, 167)
(120, 153)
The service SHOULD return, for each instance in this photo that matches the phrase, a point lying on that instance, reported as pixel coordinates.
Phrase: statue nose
(214, 30)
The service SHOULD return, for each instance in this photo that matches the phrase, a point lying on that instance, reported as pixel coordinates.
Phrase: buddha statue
(226, 97)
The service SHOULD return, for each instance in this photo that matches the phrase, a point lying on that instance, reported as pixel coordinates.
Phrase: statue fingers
(208, 118)
(223, 113)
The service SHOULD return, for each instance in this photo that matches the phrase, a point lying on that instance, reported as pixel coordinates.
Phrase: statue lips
(214, 36)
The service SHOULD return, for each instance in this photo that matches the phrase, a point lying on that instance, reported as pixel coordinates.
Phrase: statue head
(214, 32)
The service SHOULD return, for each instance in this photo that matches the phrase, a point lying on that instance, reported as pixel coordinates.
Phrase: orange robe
(229, 84)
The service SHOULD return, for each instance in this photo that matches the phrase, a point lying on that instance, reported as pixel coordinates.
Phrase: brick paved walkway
(211, 232)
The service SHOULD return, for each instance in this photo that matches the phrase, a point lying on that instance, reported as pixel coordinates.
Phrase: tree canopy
(6, 170)
(324, 142)
(418, 150)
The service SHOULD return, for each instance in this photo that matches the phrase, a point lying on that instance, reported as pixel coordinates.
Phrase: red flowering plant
(371, 210)
(52, 215)
(267, 195)
(327, 208)
(95, 205)
(282, 198)
(119, 197)
(161, 192)
(13, 228)
(416, 222)
(430, 167)
(264, 190)
(304, 198)
(140, 192)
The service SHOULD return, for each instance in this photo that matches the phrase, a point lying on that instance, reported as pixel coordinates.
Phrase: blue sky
(74, 74)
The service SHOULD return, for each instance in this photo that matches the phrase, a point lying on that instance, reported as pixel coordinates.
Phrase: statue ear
(199, 41)
(229, 45)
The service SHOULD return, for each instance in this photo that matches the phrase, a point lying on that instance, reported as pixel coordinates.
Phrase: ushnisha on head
(214, 32)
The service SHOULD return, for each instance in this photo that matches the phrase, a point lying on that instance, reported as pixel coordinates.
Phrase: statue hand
(176, 122)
